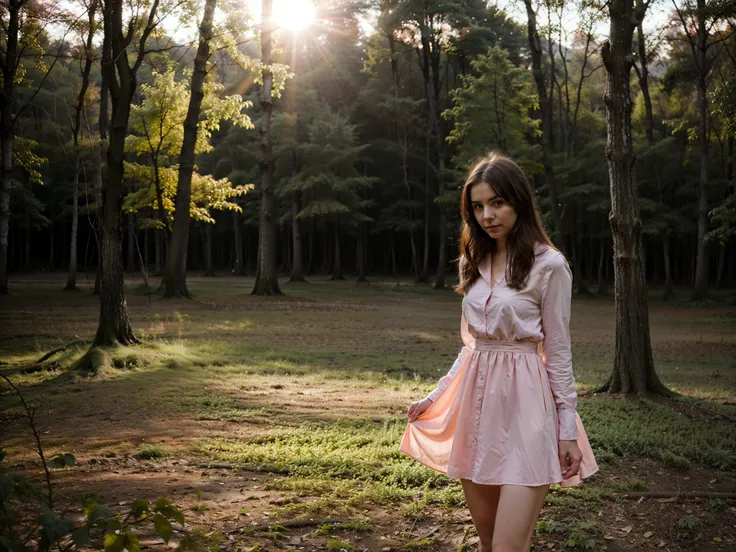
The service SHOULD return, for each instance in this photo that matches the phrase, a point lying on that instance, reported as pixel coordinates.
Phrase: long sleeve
(555, 308)
(446, 379)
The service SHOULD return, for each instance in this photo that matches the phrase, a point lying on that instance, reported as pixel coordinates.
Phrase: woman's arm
(446, 379)
(555, 307)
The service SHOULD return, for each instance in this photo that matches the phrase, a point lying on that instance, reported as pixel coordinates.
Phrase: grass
(313, 387)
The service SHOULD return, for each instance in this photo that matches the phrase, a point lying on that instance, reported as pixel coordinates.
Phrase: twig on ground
(679, 494)
(289, 524)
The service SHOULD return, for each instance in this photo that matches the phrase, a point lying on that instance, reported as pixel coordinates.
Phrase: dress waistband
(511, 346)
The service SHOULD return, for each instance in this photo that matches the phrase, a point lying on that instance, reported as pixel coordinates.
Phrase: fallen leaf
(648, 534)
(669, 499)
(661, 544)
(608, 537)
(627, 529)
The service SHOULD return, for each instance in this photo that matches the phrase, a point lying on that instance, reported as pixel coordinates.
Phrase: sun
(293, 15)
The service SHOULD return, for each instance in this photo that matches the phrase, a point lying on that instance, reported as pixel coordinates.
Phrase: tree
(330, 182)
(491, 110)
(702, 17)
(267, 282)
(21, 26)
(88, 56)
(120, 78)
(175, 276)
(158, 135)
(545, 113)
(633, 369)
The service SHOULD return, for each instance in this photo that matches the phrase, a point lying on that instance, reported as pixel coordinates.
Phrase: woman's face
(494, 214)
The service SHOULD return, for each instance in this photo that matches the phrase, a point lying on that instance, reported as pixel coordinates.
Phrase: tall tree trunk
(392, 250)
(633, 369)
(414, 255)
(267, 282)
(6, 146)
(360, 256)
(545, 110)
(26, 236)
(602, 287)
(581, 287)
(121, 80)
(668, 287)
(9, 66)
(700, 290)
(239, 269)
(208, 268)
(130, 262)
(71, 279)
(424, 275)
(297, 269)
(337, 262)
(175, 279)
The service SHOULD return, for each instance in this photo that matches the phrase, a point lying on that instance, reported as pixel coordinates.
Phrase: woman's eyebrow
(479, 201)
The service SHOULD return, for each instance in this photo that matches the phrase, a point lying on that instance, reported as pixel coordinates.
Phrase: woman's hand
(418, 408)
(570, 458)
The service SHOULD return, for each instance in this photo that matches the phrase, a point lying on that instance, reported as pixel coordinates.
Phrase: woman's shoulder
(547, 258)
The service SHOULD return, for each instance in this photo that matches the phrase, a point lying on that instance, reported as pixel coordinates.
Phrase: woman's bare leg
(482, 501)
(516, 517)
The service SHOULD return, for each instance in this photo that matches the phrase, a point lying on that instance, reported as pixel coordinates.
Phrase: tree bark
(239, 269)
(121, 80)
(360, 256)
(175, 278)
(602, 287)
(414, 255)
(700, 290)
(130, 250)
(667, 269)
(71, 279)
(209, 270)
(9, 67)
(297, 268)
(337, 263)
(267, 282)
(633, 369)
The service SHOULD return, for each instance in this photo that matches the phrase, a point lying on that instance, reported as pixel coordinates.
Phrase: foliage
(29, 515)
(492, 110)
(158, 125)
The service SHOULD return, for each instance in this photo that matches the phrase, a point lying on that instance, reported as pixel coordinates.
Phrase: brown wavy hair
(507, 180)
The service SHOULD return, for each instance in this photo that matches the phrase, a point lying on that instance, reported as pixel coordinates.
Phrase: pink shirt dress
(497, 416)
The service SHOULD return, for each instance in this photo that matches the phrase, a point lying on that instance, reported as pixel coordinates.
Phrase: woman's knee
(507, 546)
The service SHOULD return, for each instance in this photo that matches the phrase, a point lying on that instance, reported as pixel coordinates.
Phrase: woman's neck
(501, 246)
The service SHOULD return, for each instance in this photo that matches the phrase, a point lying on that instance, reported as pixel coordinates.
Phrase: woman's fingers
(564, 462)
(573, 467)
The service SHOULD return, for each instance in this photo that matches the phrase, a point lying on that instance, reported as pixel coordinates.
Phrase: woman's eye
(498, 203)
(477, 206)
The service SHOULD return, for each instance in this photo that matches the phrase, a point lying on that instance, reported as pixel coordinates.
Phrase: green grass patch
(151, 452)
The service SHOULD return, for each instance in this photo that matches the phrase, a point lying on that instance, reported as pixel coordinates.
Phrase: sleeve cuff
(568, 424)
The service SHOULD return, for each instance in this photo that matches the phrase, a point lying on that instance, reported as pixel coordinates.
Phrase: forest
(378, 108)
(228, 242)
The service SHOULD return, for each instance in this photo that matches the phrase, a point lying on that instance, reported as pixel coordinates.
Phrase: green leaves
(491, 109)
(53, 527)
(62, 461)
(163, 527)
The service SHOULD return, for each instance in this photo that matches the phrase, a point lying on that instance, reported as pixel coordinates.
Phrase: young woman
(503, 419)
